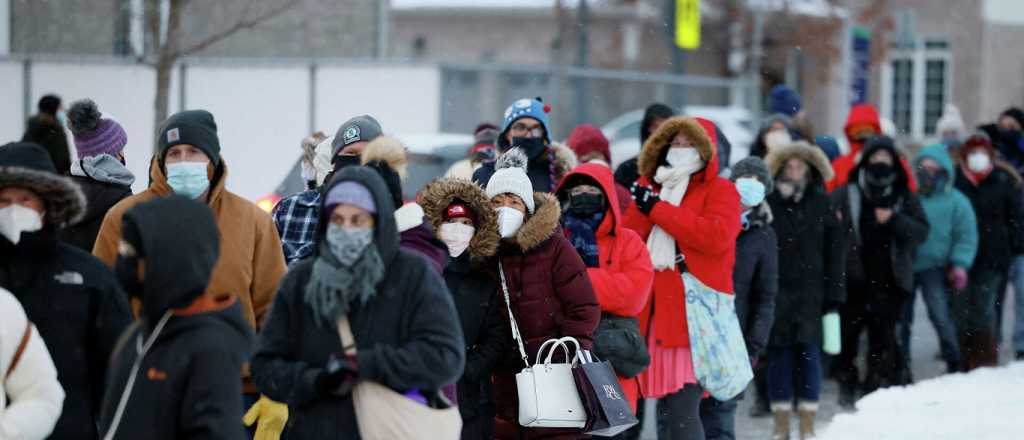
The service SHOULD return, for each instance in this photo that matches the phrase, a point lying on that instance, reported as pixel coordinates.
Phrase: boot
(807, 413)
(782, 413)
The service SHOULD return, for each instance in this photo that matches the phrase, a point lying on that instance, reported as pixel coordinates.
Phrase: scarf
(583, 238)
(674, 182)
(332, 287)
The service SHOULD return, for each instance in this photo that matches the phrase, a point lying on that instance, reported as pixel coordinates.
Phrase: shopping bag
(832, 342)
(548, 397)
(608, 412)
(720, 359)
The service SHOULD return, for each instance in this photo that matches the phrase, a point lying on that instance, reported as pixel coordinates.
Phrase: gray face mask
(348, 244)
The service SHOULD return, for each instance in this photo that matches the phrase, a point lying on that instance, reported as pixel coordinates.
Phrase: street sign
(688, 24)
(860, 64)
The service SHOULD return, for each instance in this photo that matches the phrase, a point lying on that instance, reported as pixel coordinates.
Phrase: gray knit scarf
(332, 287)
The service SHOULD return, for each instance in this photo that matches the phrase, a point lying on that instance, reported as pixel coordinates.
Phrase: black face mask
(533, 147)
(881, 174)
(586, 204)
(127, 269)
(929, 182)
(343, 161)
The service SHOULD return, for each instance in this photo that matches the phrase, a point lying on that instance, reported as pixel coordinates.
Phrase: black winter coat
(755, 279)
(79, 308)
(811, 265)
(478, 302)
(997, 205)
(101, 197)
(406, 334)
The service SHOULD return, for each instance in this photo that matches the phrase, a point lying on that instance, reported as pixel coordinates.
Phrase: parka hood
(180, 244)
(700, 131)
(882, 143)
(861, 114)
(808, 153)
(440, 193)
(602, 175)
(385, 235)
(27, 165)
(940, 154)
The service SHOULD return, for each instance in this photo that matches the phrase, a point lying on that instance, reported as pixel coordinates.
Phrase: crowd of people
(185, 311)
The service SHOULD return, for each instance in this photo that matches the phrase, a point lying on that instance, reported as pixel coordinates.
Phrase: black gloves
(645, 198)
(338, 377)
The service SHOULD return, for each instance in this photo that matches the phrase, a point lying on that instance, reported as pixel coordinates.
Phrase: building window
(916, 85)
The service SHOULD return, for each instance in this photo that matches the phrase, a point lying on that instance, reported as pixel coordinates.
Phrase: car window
(629, 130)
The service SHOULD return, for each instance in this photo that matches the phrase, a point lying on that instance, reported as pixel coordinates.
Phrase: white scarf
(674, 182)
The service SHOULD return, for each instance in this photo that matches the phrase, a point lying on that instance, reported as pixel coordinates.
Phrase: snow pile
(981, 405)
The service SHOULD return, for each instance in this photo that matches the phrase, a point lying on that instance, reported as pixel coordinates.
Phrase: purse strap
(21, 348)
(348, 340)
(512, 319)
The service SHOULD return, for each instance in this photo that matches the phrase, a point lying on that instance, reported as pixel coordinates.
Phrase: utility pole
(582, 53)
(678, 99)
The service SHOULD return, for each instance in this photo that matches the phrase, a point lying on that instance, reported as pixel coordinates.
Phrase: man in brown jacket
(189, 164)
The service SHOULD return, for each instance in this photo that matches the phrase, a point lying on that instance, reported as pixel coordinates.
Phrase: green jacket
(953, 236)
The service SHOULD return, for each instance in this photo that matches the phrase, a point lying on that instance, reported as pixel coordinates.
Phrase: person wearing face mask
(862, 124)
(296, 216)
(810, 281)
(46, 129)
(175, 374)
(951, 128)
(100, 169)
(550, 294)
(884, 224)
(188, 163)
(943, 260)
(590, 146)
(994, 191)
(777, 130)
(525, 126)
(75, 301)
(755, 278)
(401, 315)
(690, 219)
(618, 264)
(1007, 136)
(461, 216)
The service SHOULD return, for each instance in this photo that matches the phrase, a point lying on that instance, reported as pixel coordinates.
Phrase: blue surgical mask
(62, 118)
(188, 179)
(751, 191)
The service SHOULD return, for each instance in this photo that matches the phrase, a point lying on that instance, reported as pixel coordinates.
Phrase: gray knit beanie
(754, 166)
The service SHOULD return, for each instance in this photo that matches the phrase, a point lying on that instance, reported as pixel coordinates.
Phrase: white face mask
(16, 219)
(978, 162)
(683, 157)
(777, 138)
(509, 221)
(457, 236)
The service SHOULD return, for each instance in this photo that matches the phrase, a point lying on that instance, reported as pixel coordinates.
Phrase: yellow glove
(271, 416)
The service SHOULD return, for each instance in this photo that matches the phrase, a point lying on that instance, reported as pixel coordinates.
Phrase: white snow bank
(982, 405)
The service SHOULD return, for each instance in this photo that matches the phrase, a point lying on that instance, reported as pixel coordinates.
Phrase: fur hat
(510, 178)
(754, 166)
(27, 165)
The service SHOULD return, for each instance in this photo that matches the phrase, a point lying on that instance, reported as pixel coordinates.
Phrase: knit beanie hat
(350, 193)
(93, 133)
(784, 100)
(754, 166)
(828, 145)
(527, 108)
(510, 178)
(586, 140)
(192, 127)
(358, 129)
(951, 121)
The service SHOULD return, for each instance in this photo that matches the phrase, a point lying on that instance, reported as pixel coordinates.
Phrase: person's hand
(269, 416)
(957, 278)
(338, 377)
(883, 215)
(645, 197)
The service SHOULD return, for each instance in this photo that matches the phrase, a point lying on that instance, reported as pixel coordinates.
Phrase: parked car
(429, 155)
(623, 132)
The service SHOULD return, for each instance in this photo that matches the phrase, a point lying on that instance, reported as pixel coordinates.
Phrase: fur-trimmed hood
(565, 159)
(436, 197)
(804, 151)
(387, 150)
(540, 226)
(656, 145)
(27, 165)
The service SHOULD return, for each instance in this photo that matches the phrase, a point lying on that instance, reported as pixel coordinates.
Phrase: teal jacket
(953, 236)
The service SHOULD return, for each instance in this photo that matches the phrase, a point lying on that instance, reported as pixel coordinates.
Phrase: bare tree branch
(240, 25)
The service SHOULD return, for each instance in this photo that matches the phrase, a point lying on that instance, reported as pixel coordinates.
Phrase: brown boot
(807, 413)
(782, 412)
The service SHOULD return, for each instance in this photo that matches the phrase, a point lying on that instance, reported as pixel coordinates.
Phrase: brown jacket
(251, 262)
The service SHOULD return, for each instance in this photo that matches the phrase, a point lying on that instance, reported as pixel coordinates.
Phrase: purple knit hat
(93, 133)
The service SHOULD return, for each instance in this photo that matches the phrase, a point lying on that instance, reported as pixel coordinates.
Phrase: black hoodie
(407, 335)
(187, 384)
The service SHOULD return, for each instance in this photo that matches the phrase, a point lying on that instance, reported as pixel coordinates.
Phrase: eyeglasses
(521, 129)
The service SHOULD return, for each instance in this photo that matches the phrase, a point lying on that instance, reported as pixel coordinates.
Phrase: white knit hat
(950, 121)
(510, 178)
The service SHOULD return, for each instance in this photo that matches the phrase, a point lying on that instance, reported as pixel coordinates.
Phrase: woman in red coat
(690, 218)
(617, 260)
(549, 291)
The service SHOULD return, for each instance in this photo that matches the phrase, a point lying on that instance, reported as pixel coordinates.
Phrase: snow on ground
(985, 404)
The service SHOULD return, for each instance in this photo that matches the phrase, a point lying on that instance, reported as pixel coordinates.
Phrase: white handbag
(548, 397)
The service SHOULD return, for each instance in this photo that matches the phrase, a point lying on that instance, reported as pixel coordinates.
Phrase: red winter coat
(705, 226)
(624, 279)
(551, 297)
(861, 114)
